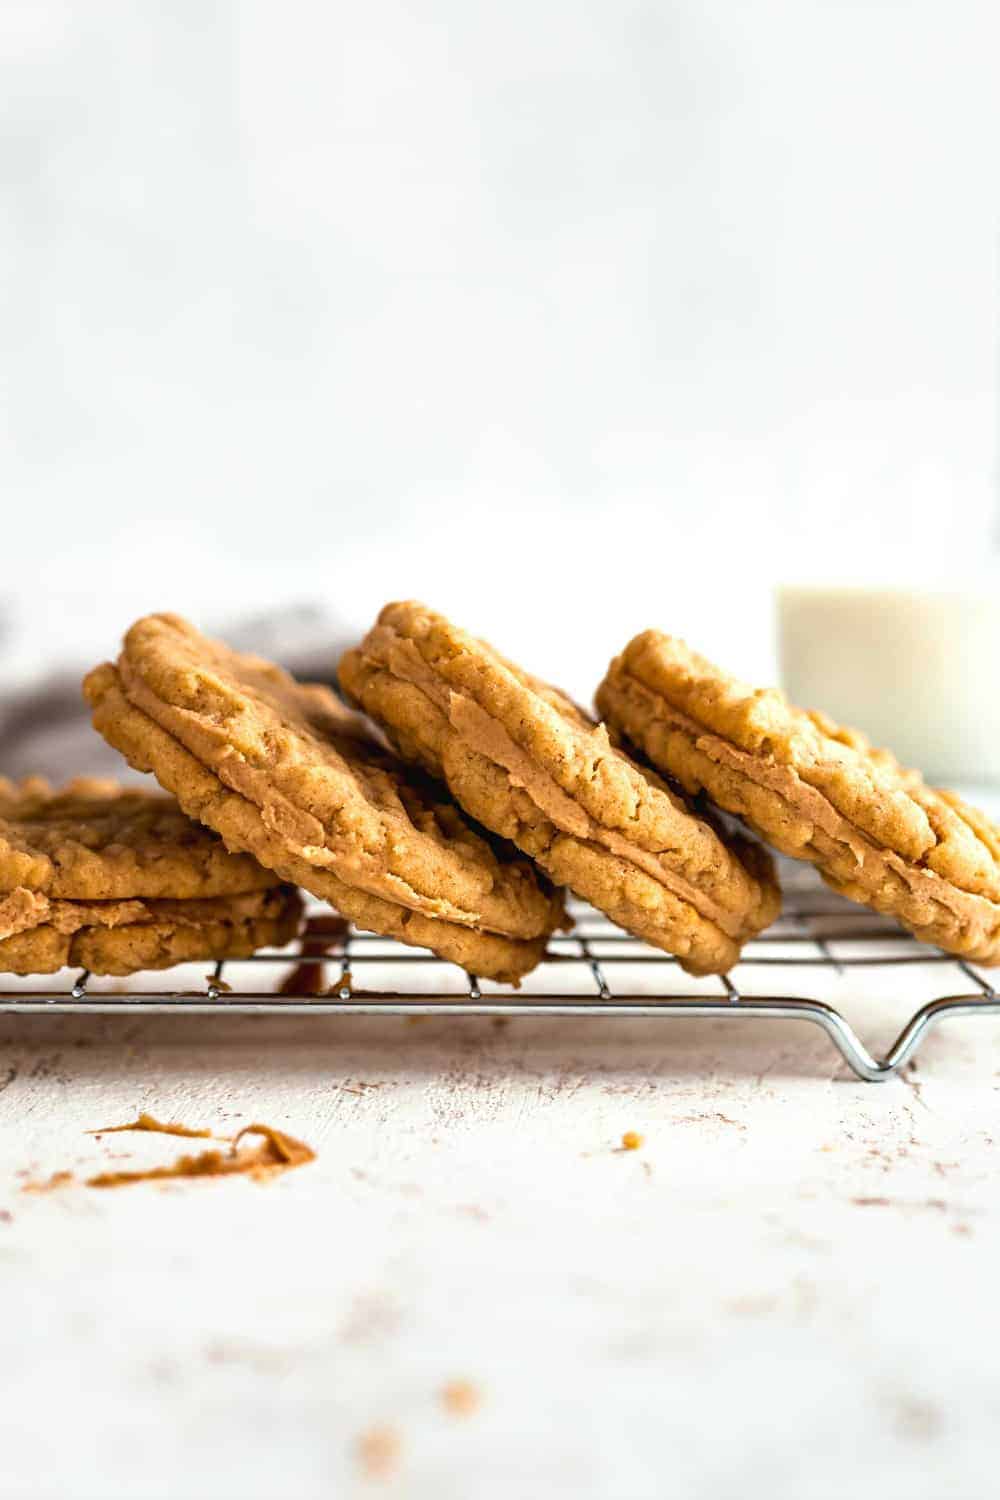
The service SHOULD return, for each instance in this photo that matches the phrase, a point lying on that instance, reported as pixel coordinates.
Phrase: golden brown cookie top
(93, 840)
(575, 778)
(320, 783)
(659, 679)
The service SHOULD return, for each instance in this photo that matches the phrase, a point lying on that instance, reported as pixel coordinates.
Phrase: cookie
(876, 832)
(93, 840)
(283, 771)
(102, 877)
(524, 760)
(41, 934)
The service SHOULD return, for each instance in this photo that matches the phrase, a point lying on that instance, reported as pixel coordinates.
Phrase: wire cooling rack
(325, 973)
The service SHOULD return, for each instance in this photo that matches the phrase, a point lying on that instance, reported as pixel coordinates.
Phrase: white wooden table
(789, 1291)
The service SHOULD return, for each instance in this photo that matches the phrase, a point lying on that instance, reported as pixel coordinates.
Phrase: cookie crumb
(631, 1140)
(379, 1452)
(461, 1398)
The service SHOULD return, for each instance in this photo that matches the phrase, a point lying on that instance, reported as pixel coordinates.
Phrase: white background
(568, 317)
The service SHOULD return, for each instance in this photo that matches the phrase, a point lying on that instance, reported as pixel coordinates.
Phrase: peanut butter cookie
(524, 760)
(877, 833)
(43, 934)
(114, 880)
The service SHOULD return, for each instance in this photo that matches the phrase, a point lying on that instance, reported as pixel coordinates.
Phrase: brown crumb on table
(631, 1140)
(378, 1452)
(461, 1398)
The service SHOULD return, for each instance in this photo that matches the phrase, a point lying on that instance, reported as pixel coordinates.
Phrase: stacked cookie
(114, 881)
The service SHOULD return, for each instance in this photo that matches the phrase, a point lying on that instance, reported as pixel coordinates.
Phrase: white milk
(915, 669)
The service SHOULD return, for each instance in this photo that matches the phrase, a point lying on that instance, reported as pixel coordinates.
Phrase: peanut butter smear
(309, 976)
(277, 1152)
(150, 1122)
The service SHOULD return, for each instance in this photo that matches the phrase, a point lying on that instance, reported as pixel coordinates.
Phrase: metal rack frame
(811, 922)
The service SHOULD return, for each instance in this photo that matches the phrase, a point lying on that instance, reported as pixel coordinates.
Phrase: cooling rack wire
(596, 970)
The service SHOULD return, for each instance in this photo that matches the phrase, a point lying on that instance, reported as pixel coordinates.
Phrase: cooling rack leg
(929, 1017)
(847, 1042)
(910, 1039)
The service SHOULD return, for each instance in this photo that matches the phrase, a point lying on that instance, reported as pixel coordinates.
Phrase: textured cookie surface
(283, 771)
(95, 840)
(525, 761)
(40, 934)
(876, 831)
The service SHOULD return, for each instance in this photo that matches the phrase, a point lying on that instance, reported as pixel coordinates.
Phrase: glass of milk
(916, 669)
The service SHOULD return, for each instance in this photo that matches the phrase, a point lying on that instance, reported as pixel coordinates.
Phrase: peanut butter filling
(22, 910)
